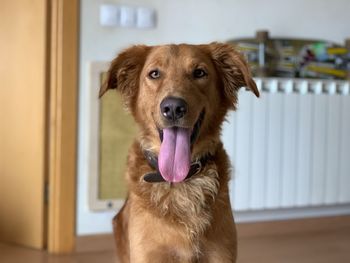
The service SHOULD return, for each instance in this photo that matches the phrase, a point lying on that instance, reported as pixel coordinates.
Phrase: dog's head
(179, 96)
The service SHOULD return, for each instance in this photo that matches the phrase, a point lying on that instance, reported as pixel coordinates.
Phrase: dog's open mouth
(195, 130)
(174, 158)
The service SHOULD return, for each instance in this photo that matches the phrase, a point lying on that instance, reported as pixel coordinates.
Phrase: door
(23, 26)
(38, 108)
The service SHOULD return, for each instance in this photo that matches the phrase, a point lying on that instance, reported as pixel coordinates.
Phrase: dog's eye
(154, 74)
(199, 73)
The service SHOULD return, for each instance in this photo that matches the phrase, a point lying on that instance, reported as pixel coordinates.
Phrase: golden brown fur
(190, 221)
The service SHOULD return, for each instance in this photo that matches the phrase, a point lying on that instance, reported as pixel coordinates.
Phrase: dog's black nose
(173, 108)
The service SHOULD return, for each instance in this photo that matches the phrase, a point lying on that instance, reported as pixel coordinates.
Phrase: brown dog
(178, 208)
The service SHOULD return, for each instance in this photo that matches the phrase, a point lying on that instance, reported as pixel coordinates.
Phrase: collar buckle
(196, 167)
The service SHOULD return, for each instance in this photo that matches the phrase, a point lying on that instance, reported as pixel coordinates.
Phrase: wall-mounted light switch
(146, 17)
(109, 15)
(127, 16)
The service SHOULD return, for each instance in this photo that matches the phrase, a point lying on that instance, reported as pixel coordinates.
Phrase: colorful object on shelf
(304, 58)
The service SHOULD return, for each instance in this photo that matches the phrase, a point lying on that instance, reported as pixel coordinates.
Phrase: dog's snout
(173, 108)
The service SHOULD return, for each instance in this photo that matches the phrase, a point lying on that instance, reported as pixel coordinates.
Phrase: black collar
(155, 177)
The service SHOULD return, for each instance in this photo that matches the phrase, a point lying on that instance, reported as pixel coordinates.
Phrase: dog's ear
(232, 69)
(124, 72)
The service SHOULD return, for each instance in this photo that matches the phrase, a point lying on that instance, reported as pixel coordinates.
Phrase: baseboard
(105, 242)
(295, 226)
(291, 213)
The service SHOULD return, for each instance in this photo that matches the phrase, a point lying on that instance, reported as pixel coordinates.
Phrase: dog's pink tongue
(175, 154)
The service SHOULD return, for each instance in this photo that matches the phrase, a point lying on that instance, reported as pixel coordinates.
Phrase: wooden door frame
(63, 46)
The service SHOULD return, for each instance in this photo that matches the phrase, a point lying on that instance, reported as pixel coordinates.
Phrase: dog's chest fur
(189, 203)
(186, 207)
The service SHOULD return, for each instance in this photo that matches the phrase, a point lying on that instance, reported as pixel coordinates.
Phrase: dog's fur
(190, 221)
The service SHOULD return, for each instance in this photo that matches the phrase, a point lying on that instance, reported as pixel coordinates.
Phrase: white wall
(191, 21)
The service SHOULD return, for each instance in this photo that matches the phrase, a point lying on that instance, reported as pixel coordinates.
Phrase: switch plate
(127, 16)
(146, 17)
(109, 15)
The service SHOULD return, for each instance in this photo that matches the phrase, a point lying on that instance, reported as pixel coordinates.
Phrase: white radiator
(291, 147)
